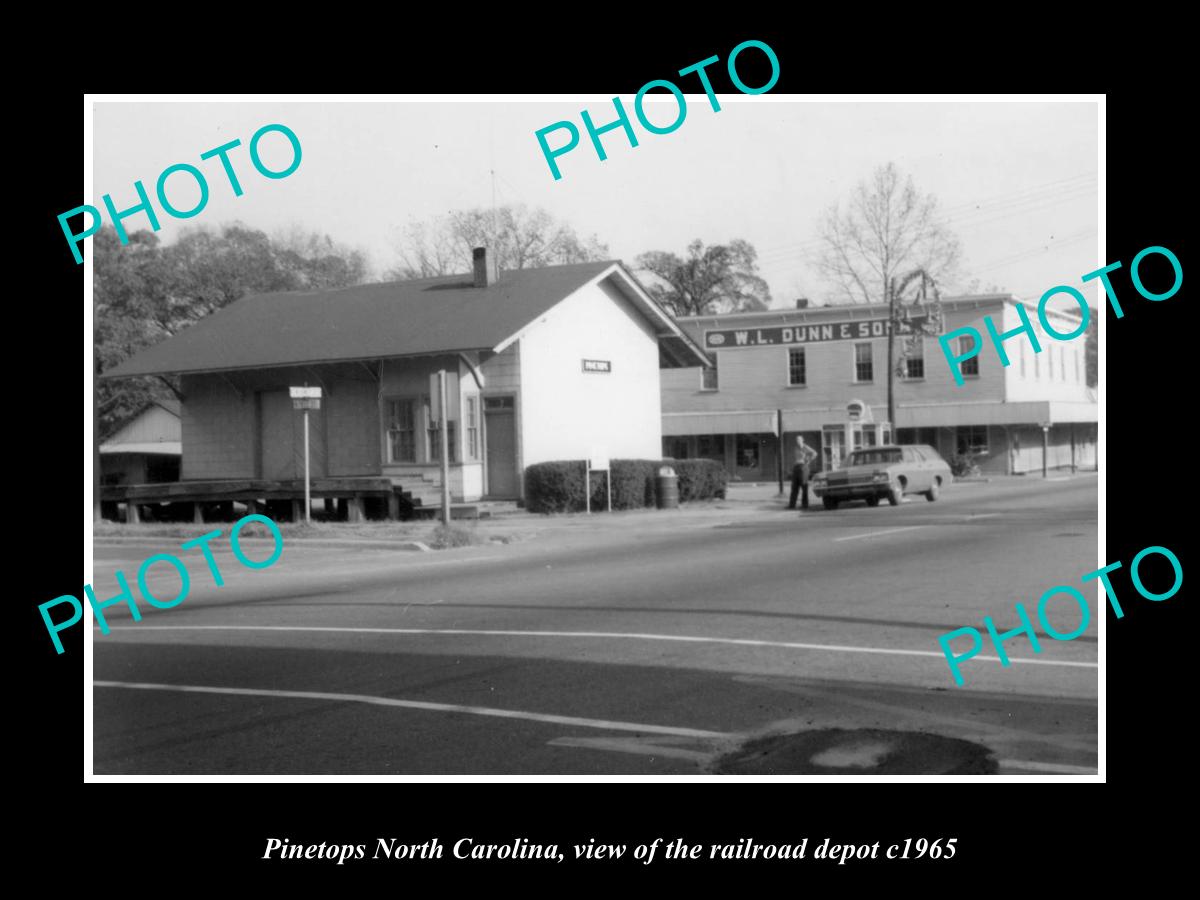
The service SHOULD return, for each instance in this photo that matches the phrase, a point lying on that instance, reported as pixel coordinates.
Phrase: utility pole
(307, 482)
(891, 363)
(444, 439)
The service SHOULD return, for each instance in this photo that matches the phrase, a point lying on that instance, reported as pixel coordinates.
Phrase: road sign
(306, 398)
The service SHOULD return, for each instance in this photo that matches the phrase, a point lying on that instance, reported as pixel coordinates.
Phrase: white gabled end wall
(568, 412)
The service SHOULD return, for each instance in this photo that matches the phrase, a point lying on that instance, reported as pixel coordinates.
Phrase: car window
(875, 457)
(918, 456)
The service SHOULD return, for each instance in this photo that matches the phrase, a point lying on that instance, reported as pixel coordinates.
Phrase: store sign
(597, 365)
(805, 334)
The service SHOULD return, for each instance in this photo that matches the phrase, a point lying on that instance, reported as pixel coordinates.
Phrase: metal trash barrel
(668, 488)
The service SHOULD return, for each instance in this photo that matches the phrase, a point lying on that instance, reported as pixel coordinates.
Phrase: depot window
(797, 368)
(401, 430)
(472, 416)
(433, 444)
(972, 439)
(864, 367)
(708, 376)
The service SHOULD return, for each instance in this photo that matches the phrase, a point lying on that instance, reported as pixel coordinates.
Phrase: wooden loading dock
(345, 498)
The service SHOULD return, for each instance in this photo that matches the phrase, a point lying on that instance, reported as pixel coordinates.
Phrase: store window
(914, 361)
(864, 367)
(797, 369)
(968, 367)
(972, 439)
(711, 446)
(747, 451)
(401, 430)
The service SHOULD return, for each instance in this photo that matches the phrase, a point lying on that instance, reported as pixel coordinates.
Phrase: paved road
(642, 649)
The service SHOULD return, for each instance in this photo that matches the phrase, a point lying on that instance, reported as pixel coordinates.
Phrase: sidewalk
(743, 503)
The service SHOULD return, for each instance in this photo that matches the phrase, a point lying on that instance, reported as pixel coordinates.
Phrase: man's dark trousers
(799, 481)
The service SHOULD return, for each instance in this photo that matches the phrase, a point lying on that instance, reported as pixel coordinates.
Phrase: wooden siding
(220, 419)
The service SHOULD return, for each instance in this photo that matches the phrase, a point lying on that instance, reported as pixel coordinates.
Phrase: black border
(213, 834)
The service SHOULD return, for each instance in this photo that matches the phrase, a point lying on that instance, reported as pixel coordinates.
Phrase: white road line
(418, 704)
(1050, 768)
(742, 642)
(856, 537)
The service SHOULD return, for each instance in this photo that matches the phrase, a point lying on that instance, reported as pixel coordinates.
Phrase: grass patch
(443, 537)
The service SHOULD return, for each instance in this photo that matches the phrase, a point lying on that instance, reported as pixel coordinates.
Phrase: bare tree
(425, 250)
(886, 230)
(521, 238)
(715, 279)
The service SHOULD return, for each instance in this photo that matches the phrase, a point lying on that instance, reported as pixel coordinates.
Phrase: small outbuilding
(145, 449)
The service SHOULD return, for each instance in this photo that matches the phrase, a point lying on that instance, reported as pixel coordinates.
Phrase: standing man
(800, 471)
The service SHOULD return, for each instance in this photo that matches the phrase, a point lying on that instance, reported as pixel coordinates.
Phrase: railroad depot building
(542, 364)
(822, 372)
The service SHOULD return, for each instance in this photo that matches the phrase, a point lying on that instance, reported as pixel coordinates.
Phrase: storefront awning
(159, 448)
(742, 422)
(1018, 413)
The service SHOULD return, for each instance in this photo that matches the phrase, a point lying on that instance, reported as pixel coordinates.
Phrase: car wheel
(830, 502)
(932, 493)
(894, 496)
(872, 501)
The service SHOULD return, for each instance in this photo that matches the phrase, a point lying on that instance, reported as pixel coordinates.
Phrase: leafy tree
(885, 230)
(715, 279)
(521, 238)
(144, 292)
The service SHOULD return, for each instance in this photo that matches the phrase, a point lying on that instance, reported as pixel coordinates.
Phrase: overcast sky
(1017, 182)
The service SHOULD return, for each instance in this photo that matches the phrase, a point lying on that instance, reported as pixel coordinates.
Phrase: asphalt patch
(862, 751)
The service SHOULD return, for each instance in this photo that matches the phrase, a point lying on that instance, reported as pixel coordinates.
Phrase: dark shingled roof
(370, 321)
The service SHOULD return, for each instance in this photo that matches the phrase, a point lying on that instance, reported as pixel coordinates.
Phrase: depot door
(500, 429)
(281, 438)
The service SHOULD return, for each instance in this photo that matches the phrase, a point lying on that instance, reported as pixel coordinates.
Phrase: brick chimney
(486, 271)
(802, 303)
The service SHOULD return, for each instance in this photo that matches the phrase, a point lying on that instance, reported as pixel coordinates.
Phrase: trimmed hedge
(558, 486)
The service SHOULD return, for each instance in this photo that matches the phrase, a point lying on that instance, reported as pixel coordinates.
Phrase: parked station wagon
(890, 471)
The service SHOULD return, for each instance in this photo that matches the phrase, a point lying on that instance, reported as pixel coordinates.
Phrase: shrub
(444, 537)
(558, 486)
(700, 479)
(964, 464)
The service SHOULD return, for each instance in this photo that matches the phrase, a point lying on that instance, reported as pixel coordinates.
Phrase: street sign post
(306, 398)
(597, 461)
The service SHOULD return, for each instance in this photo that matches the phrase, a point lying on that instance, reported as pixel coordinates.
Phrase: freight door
(281, 438)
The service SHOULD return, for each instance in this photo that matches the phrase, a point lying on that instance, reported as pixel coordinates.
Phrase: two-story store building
(822, 372)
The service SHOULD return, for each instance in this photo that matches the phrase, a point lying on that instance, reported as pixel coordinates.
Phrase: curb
(407, 546)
